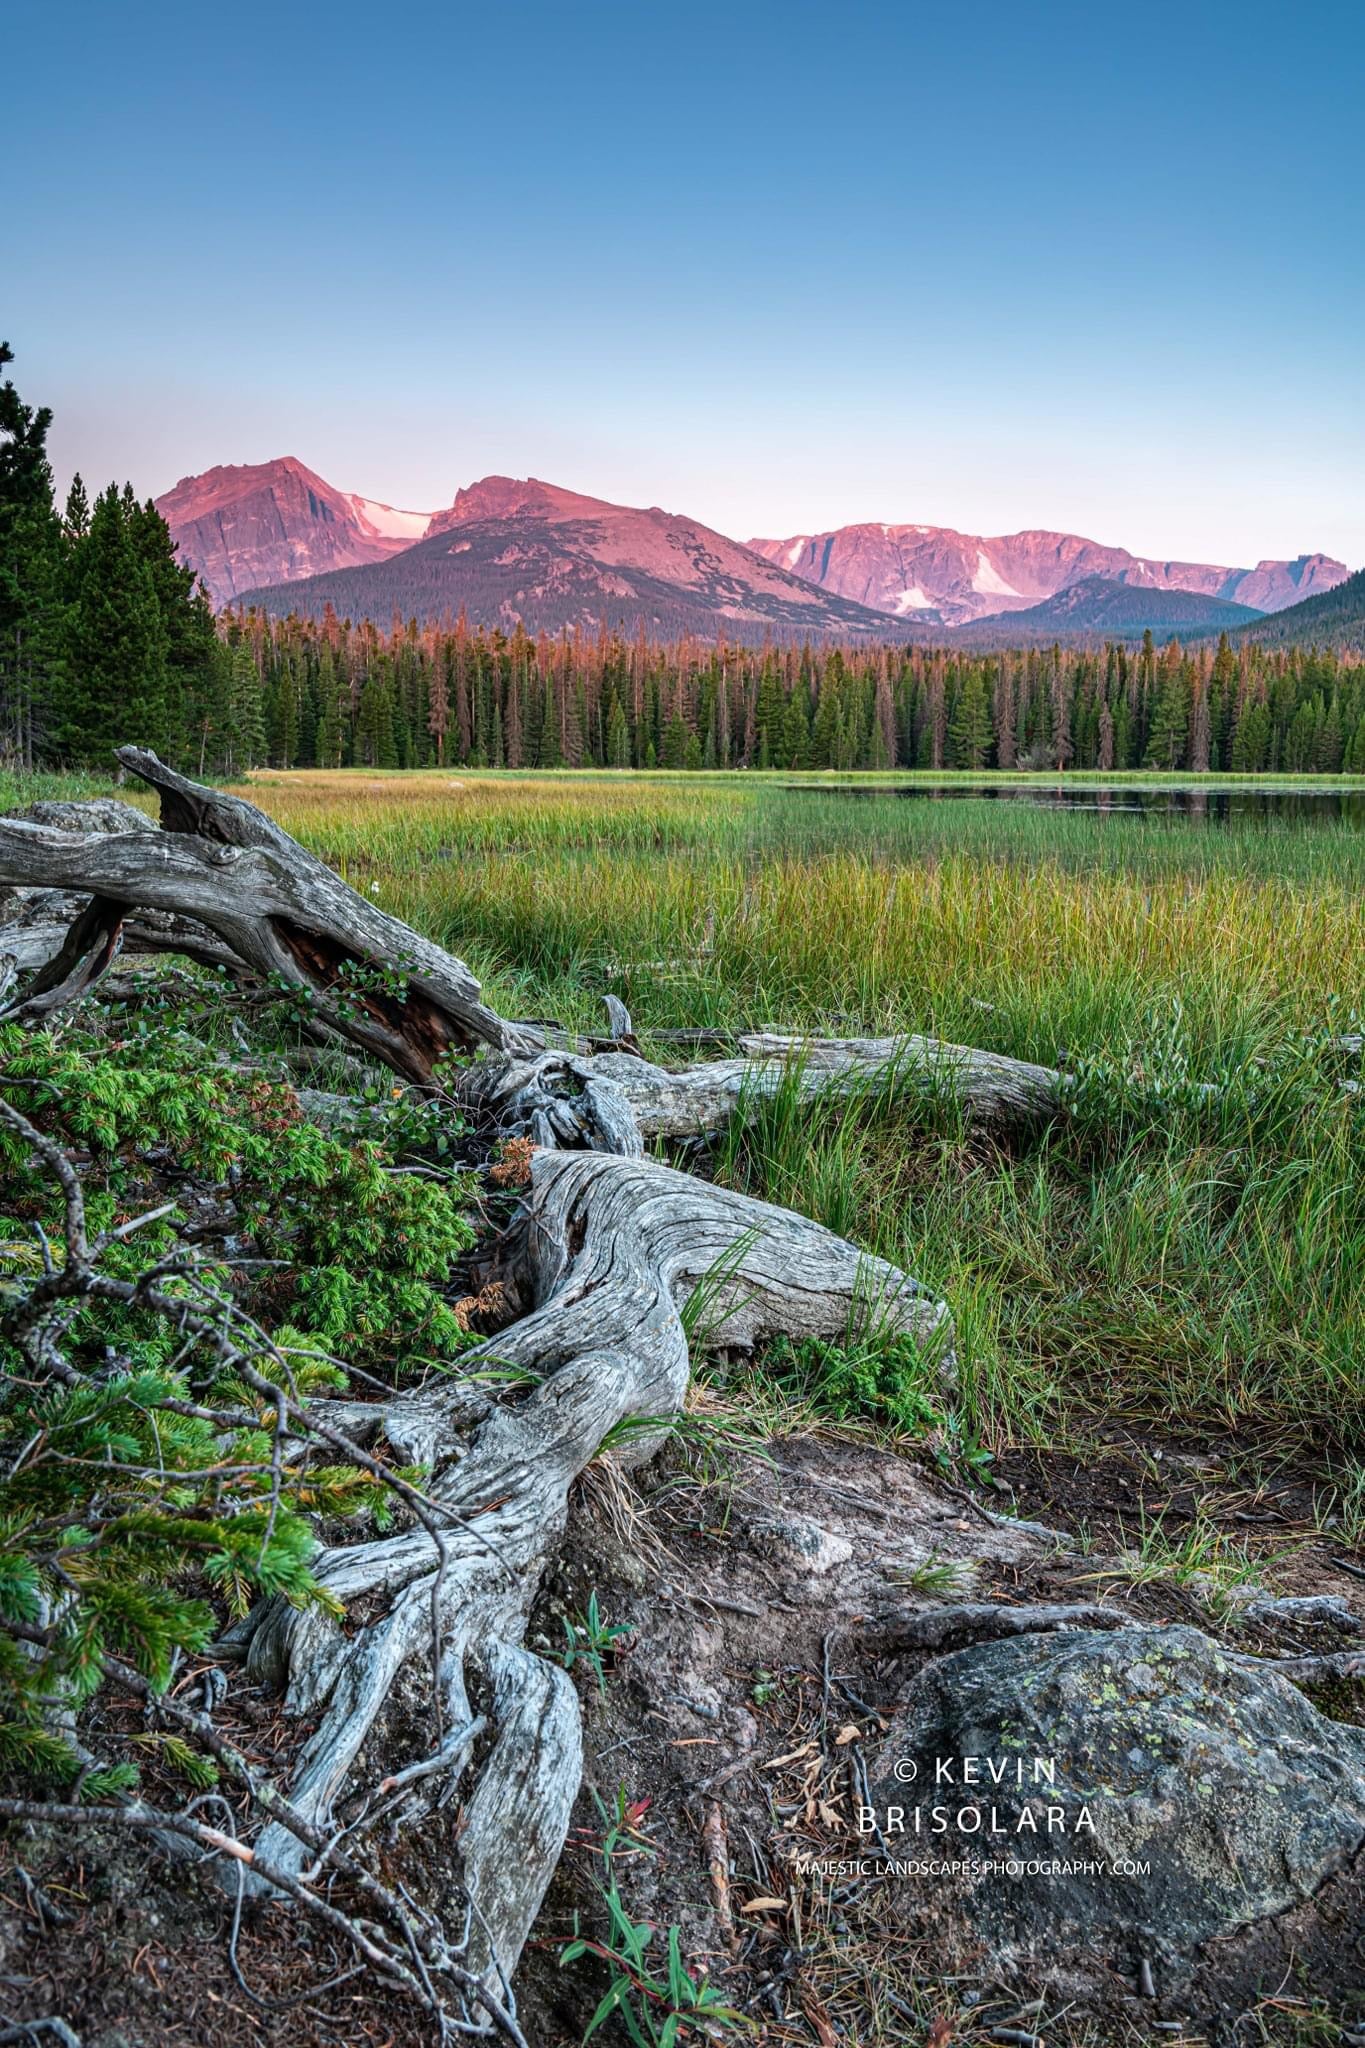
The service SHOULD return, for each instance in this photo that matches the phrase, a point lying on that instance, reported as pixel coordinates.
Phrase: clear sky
(778, 266)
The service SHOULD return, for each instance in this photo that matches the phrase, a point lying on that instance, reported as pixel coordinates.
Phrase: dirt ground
(723, 1745)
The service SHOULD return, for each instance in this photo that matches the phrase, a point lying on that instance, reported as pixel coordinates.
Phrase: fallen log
(223, 864)
(615, 1100)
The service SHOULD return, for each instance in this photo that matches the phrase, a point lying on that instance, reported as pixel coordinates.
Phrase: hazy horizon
(1063, 275)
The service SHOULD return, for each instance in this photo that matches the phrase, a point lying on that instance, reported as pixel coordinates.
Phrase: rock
(91, 815)
(799, 1544)
(34, 922)
(1142, 1747)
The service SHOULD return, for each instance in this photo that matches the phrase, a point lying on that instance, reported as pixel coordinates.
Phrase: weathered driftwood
(609, 1251)
(610, 1248)
(223, 864)
(614, 1100)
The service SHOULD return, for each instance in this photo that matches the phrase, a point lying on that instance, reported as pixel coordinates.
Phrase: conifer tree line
(104, 639)
(335, 694)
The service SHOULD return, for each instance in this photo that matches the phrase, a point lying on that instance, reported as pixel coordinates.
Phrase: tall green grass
(1163, 1252)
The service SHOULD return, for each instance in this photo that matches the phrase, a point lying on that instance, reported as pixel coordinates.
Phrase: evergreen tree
(245, 718)
(118, 645)
(618, 738)
(1170, 715)
(969, 733)
(185, 617)
(32, 613)
(1251, 740)
(76, 523)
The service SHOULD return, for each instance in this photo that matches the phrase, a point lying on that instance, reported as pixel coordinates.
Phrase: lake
(1305, 804)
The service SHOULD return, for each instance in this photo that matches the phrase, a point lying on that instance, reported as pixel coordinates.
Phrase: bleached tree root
(610, 1249)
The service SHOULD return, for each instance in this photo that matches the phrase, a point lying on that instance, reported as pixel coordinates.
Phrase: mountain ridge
(516, 551)
(267, 528)
(904, 569)
(242, 524)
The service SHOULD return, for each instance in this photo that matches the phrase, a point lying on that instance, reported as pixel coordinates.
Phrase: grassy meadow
(1190, 1261)
(1194, 1261)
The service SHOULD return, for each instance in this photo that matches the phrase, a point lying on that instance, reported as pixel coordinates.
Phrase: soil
(732, 1717)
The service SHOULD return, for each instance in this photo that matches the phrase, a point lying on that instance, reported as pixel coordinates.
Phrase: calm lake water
(1302, 806)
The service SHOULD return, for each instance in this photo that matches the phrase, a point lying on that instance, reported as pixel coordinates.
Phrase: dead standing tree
(608, 1247)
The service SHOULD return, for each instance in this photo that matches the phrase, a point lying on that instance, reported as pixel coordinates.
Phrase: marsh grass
(1200, 1555)
(1188, 1246)
(18, 788)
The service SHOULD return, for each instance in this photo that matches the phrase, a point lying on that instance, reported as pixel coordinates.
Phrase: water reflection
(1305, 806)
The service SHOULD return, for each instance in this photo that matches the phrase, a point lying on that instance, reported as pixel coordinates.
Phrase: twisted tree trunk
(223, 864)
(609, 1248)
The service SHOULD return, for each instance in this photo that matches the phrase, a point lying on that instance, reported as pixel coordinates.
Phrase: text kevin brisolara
(1040, 1815)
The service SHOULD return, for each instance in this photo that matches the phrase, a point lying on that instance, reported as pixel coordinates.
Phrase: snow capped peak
(988, 580)
(388, 520)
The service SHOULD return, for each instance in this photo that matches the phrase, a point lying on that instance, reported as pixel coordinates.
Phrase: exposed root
(949, 1628)
(609, 1251)
(276, 908)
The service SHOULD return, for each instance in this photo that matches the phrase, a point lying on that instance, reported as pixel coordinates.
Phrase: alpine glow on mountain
(537, 553)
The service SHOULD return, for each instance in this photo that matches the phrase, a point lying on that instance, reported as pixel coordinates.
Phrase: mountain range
(511, 550)
(905, 570)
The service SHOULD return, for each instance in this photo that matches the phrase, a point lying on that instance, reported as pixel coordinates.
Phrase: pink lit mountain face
(521, 549)
(509, 550)
(273, 522)
(907, 570)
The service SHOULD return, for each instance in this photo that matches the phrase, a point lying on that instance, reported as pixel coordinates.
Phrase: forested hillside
(334, 695)
(1097, 608)
(1334, 618)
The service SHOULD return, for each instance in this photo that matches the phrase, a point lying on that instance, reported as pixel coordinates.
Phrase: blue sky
(779, 266)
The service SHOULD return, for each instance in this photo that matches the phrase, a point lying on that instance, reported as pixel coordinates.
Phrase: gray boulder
(34, 922)
(797, 1545)
(96, 814)
(1131, 1794)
